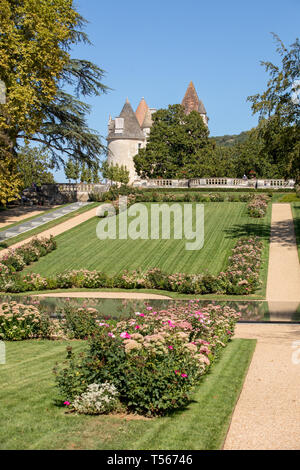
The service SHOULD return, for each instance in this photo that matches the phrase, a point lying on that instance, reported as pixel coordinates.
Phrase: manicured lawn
(41, 228)
(30, 419)
(296, 215)
(224, 223)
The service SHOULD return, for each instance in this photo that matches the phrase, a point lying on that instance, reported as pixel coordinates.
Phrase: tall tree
(279, 110)
(174, 144)
(70, 170)
(35, 65)
(115, 173)
(33, 166)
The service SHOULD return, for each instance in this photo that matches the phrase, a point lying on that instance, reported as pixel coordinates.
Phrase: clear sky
(154, 49)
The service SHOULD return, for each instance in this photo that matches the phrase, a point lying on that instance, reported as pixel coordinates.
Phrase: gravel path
(106, 295)
(267, 415)
(284, 269)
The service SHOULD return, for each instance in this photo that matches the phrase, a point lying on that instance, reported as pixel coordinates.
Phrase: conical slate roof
(131, 128)
(191, 101)
(141, 111)
(148, 120)
(201, 108)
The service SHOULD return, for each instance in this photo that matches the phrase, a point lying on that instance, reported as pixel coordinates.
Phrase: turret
(125, 137)
(191, 103)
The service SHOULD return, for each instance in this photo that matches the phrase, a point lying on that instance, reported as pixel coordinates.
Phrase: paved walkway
(38, 221)
(58, 229)
(267, 415)
(17, 214)
(284, 269)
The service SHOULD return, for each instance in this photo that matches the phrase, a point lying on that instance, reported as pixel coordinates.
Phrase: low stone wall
(61, 193)
(80, 192)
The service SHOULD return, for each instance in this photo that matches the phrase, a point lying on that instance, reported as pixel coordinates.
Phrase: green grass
(296, 215)
(225, 222)
(29, 219)
(290, 197)
(42, 228)
(30, 420)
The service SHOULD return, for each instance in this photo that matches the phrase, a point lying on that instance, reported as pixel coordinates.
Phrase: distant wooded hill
(230, 140)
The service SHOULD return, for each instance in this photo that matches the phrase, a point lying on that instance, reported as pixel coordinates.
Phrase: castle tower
(147, 122)
(125, 137)
(141, 111)
(191, 103)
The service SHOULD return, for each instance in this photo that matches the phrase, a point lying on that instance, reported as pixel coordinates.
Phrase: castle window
(119, 125)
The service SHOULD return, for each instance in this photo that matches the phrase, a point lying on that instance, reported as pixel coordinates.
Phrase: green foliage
(115, 173)
(72, 169)
(280, 112)
(86, 174)
(35, 65)
(230, 140)
(33, 165)
(79, 323)
(175, 145)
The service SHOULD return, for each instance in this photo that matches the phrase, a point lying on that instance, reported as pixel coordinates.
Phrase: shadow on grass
(244, 230)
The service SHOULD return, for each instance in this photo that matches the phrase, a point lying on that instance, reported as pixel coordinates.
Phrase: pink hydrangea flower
(67, 403)
(170, 347)
(137, 327)
(111, 335)
(125, 335)
(184, 375)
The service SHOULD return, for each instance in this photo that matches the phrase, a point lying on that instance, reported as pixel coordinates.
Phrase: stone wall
(61, 193)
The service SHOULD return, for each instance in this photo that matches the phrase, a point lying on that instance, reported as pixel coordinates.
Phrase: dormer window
(119, 125)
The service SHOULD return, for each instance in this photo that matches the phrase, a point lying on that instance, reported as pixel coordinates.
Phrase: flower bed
(153, 360)
(240, 278)
(258, 205)
(16, 259)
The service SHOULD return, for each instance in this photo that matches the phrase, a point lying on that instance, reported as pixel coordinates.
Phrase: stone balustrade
(215, 183)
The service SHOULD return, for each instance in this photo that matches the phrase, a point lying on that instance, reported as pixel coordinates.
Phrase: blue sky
(154, 49)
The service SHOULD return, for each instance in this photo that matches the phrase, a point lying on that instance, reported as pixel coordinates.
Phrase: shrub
(80, 322)
(19, 321)
(153, 360)
(258, 205)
